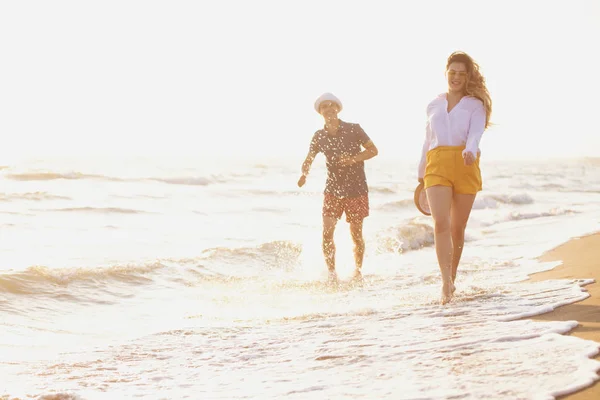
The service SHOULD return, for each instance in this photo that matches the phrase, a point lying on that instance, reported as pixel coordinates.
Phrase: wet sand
(580, 260)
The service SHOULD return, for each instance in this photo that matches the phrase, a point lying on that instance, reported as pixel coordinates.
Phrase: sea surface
(171, 278)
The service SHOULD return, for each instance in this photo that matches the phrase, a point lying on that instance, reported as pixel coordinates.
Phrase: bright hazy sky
(231, 77)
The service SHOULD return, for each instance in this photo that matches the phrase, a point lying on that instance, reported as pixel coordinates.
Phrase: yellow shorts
(446, 167)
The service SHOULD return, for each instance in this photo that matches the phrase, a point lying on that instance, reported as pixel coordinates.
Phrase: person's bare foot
(447, 293)
(332, 278)
(357, 277)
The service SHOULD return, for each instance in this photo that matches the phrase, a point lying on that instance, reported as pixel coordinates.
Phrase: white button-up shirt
(462, 126)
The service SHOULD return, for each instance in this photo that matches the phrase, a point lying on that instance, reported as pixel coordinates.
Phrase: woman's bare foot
(447, 293)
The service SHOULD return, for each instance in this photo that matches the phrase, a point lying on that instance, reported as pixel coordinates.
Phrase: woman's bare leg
(459, 216)
(440, 202)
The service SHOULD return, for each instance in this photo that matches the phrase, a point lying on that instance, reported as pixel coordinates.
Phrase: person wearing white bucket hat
(328, 97)
(346, 190)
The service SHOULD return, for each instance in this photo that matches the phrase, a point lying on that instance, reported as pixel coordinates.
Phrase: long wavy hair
(475, 86)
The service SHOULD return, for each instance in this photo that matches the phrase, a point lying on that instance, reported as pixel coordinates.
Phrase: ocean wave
(269, 193)
(51, 175)
(139, 196)
(60, 396)
(102, 210)
(43, 280)
(17, 213)
(47, 176)
(190, 181)
(211, 265)
(518, 216)
(32, 196)
(595, 191)
(410, 236)
(485, 202)
(496, 200)
(276, 254)
(521, 198)
(552, 186)
(482, 202)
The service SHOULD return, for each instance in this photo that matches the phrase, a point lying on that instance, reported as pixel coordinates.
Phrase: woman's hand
(469, 158)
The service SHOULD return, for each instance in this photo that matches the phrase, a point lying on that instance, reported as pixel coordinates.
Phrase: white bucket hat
(327, 97)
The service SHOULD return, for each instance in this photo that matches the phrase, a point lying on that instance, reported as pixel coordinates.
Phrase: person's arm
(310, 157)
(424, 150)
(369, 152)
(476, 129)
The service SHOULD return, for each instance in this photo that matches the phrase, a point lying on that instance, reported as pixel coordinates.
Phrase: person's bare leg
(356, 228)
(459, 215)
(440, 201)
(329, 224)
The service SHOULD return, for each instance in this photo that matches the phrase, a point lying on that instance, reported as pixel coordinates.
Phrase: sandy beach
(579, 258)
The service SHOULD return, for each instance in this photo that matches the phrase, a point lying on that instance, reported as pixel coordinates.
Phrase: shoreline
(580, 259)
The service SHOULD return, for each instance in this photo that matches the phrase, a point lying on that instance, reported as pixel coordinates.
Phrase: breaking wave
(406, 237)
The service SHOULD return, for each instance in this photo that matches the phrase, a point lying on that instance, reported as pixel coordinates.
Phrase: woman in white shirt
(449, 167)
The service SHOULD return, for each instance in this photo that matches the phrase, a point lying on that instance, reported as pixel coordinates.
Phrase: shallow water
(206, 281)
